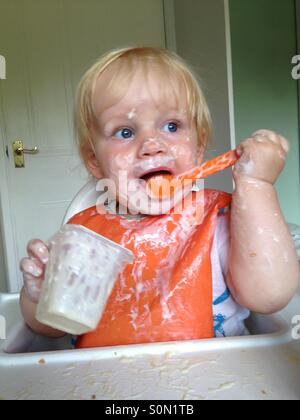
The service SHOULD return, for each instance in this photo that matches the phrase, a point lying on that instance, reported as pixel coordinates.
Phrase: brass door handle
(33, 151)
(19, 150)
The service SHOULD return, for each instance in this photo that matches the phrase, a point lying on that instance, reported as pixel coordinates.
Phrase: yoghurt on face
(80, 276)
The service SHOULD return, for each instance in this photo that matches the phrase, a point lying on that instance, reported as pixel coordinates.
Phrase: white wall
(201, 40)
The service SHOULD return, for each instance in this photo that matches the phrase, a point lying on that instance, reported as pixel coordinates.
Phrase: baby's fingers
(37, 249)
(284, 144)
(32, 287)
(32, 267)
(265, 135)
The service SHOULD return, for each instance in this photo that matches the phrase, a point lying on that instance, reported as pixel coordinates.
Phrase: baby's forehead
(144, 111)
(135, 89)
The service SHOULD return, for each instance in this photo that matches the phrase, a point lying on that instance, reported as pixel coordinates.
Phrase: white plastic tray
(265, 365)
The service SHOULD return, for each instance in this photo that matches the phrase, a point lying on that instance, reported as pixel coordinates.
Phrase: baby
(141, 112)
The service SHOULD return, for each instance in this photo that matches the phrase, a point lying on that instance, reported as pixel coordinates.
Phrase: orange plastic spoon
(156, 186)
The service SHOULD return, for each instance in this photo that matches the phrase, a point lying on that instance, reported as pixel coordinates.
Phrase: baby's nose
(152, 147)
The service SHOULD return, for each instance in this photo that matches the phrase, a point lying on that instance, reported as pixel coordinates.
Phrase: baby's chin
(144, 208)
(151, 207)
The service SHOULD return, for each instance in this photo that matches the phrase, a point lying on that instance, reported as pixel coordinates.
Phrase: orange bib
(166, 294)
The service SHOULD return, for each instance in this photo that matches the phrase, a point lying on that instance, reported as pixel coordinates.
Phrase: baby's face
(139, 136)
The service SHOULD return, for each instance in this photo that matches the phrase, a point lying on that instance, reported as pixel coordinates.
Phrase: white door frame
(170, 27)
(230, 74)
(6, 219)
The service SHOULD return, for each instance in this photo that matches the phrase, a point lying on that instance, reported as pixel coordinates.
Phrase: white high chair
(84, 199)
(264, 365)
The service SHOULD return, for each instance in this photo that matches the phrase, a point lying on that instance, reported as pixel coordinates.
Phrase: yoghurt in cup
(82, 269)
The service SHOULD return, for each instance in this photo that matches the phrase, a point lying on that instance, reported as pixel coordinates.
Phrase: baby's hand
(33, 268)
(262, 156)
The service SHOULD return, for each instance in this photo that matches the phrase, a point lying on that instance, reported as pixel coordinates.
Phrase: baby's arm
(33, 269)
(263, 266)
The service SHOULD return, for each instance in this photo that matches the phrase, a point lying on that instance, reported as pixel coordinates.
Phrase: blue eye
(124, 134)
(171, 127)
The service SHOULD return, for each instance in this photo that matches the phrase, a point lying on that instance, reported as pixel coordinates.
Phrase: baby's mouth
(157, 173)
(156, 182)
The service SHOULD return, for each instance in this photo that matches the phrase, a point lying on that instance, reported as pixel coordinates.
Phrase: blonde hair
(123, 64)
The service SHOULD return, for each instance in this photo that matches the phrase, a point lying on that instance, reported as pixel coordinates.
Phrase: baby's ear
(92, 163)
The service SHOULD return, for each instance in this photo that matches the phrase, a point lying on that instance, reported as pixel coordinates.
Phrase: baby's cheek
(123, 162)
(120, 163)
(185, 156)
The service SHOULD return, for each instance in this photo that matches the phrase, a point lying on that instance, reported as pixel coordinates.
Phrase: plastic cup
(80, 275)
